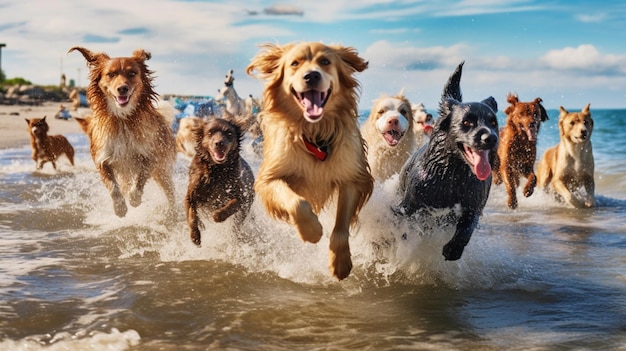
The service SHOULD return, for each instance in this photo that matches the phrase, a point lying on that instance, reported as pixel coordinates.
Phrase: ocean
(73, 276)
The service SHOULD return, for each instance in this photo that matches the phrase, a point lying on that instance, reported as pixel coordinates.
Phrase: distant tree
(17, 81)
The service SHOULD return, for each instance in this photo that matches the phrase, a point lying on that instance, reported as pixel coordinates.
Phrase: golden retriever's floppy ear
(142, 55)
(91, 57)
(350, 56)
(513, 100)
(267, 61)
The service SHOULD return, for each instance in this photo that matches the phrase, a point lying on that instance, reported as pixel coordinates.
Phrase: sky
(567, 52)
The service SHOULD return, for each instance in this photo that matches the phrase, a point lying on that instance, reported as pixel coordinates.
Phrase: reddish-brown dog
(517, 150)
(47, 148)
(131, 141)
(220, 181)
(312, 150)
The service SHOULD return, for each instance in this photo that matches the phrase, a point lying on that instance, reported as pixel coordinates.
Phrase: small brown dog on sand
(313, 150)
(220, 180)
(130, 140)
(389, 134)
(517, 150)
(47, 148)
(569, 166)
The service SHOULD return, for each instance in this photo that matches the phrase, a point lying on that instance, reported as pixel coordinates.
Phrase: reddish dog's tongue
(480, 162)
(312, 102)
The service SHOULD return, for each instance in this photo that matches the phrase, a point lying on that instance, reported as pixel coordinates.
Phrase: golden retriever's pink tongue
(392, 137)
(122, 100)
(312, 102)
(479, 160)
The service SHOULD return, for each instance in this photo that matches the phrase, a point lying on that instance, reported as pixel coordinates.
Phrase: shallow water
(73, 276)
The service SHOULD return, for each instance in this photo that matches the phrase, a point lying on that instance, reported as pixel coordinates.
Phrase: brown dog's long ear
(91, 57)
(350, 56)
(585, 109)
(543, 115)
(142, 55)
(27, 121)
(513, 100)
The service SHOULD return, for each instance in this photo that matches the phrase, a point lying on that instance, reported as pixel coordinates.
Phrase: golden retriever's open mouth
(313, 102)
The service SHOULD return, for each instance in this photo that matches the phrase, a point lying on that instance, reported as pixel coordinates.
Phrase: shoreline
(14, 130)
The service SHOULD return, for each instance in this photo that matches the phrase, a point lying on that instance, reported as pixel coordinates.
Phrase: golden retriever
(47, 148)
(313, 149)
(131, 141)
(569, 165)
(389, 134)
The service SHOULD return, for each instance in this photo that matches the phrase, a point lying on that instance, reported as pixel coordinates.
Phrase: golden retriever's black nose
(312, 77)
(122, 89)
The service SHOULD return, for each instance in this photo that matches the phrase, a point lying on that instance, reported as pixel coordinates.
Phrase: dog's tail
(452, 89)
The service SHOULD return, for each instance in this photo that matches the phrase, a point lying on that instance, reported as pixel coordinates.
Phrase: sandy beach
(13, 128)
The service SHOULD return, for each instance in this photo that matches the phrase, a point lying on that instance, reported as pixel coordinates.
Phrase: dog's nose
(312, 77)
(489, 139)
(122, 89)
(583, 133)
(393, 121)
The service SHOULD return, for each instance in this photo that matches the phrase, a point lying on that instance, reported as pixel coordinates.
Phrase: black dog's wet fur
(438, 176)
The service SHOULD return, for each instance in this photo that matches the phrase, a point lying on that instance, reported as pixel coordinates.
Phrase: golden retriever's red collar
(320, 152)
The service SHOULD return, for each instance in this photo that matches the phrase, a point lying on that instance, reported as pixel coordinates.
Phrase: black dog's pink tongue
(312, 102)
(479, 160)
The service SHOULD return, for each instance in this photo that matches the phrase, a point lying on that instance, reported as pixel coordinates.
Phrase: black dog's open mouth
(313, 102)
(478, 160)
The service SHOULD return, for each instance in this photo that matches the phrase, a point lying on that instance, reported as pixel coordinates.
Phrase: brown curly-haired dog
(517, 150)
(220, 180)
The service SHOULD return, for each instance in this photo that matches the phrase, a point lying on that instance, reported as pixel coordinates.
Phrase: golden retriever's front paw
(340, 262)
(307, 223)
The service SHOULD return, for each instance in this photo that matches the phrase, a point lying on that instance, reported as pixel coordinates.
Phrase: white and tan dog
(422, 123)
(569, 166)
(389, 134)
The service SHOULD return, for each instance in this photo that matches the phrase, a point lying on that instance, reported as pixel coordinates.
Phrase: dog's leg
(108, 178)
(282, 202)
(227, 210)
(561, 188)
(531, 182)
(165, 180)
(339, 260)
(136, 190)
(192, 219)
(589, 185)
(510, 183)
(464, 228)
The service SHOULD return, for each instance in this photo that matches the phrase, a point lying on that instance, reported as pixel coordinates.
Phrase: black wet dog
(454, 168)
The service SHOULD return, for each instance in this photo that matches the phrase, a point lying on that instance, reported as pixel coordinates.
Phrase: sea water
(73, 276)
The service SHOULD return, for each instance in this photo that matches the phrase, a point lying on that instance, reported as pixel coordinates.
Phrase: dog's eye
(132, 73)
(468, 123)
(294, 64)
(110, 74)
(325, 62)
(380, 112)
(403, 112)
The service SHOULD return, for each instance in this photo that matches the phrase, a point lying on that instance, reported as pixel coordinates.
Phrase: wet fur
(569, 165)
(389, 115)
(293, 184)
(47, 148)
(517, 150)
(130, 142)
(438, 174)
(220, 181)
(185, 138)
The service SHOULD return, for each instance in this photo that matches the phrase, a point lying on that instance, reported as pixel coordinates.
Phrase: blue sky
(569, 53)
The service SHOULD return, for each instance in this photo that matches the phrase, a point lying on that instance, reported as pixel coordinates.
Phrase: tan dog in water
(569, 166)
(47, 148)
(131, 141)
(313, 150)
